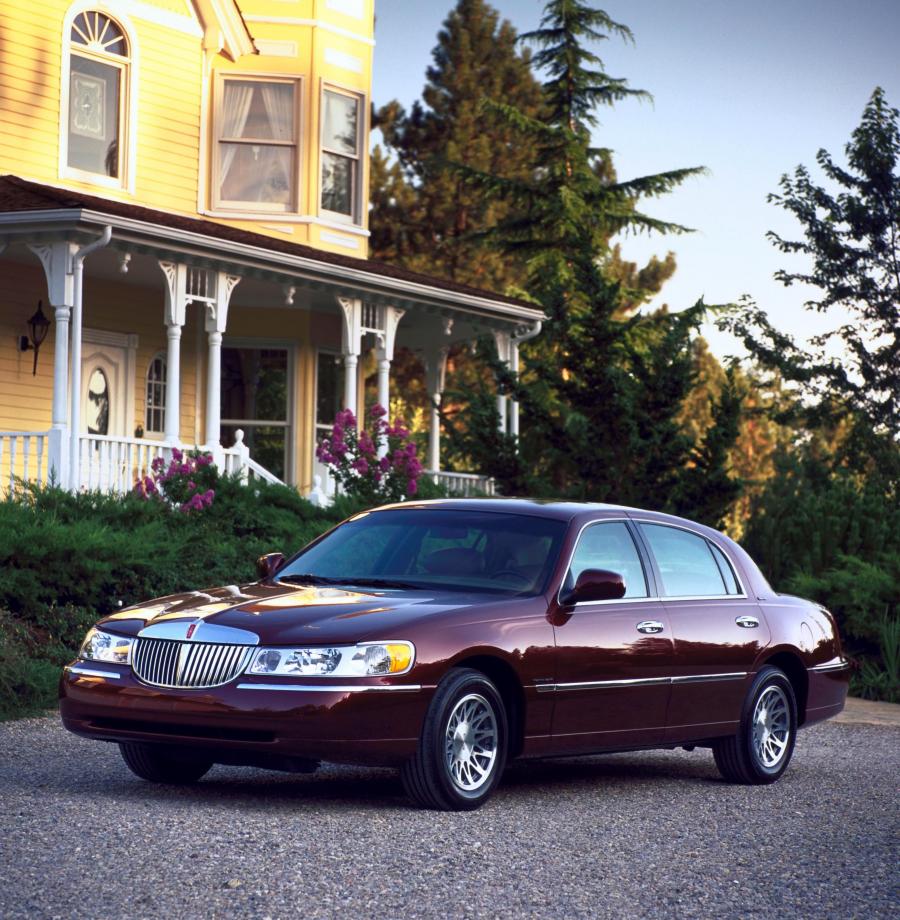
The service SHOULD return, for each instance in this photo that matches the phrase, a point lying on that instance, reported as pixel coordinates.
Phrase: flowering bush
(186, 481)
(352, 456)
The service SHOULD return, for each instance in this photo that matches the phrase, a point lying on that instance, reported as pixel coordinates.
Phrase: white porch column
(56, 259)
(351, 340)
(384, 353)
(514, 403)
(435, 377)
(174, 316)
(503, 342)
(216, 320)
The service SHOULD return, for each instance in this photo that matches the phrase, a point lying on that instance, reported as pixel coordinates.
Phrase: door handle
(747, 622)
(650, 626)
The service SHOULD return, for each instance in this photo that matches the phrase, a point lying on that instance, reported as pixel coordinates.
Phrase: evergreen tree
(423, 214)
(600, 394)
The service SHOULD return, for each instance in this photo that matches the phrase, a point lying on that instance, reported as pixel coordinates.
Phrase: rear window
(685, 561)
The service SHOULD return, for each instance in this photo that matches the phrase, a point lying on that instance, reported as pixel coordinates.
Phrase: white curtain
(276, 162)
(236, 109)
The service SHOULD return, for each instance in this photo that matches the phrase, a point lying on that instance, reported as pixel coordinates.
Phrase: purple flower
(377, 411)
(361, 465)
(177, 454)
(191, 484)
(412, 487)
(366, 444)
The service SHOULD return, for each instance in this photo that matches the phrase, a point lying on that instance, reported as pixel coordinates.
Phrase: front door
(104, 387)
(613, 667)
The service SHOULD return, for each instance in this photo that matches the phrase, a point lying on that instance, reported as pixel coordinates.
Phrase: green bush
(68, 559)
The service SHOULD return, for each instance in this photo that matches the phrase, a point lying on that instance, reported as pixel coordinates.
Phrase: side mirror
(268, 565)
(596, 585)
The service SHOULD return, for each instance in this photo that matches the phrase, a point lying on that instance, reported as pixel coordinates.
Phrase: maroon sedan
(448, 637)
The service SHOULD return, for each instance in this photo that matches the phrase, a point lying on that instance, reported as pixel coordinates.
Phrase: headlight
(365, 660)
(101, 646)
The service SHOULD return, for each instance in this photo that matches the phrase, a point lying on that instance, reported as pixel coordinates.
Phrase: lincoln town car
(447, 638)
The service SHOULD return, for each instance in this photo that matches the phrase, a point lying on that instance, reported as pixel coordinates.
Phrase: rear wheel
(761, 750)
(462, 749)
(160, 764)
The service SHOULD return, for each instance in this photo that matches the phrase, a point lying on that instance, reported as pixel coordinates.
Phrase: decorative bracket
(351, 328)
(57, 260)
(217, 308)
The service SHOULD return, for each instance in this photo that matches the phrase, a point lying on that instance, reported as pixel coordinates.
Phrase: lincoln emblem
(190, 630)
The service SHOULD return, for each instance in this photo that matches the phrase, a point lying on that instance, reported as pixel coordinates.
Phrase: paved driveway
(629, 835)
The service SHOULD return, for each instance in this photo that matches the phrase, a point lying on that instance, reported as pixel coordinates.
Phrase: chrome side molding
(88, 672)
(332, 688)
(639, 682)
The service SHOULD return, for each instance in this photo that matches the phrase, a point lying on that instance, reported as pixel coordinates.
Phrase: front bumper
(371, 721)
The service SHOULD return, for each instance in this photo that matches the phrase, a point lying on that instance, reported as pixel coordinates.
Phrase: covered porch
(171, 332)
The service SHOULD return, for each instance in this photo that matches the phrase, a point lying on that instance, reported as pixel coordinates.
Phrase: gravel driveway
(627, 835)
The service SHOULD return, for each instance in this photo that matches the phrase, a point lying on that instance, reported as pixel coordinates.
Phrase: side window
(725, 567)
(685, 561)
(155, 404)
(609, 546)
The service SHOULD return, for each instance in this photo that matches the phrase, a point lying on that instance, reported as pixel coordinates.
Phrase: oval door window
(98, 403)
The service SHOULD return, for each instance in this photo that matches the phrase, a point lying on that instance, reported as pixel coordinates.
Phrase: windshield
(425, 548)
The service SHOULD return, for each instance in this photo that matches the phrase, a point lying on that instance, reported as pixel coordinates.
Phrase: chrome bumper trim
(331, 688)
(639, 682)
(87, 672)
(830, 666)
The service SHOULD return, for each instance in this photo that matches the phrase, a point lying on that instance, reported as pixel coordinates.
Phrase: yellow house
(183, 236)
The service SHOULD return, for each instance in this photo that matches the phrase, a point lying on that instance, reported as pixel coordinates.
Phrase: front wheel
(761, 750)
(462, 749)
(160, 764)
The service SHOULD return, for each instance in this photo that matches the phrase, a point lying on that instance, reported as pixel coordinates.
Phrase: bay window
(341, 155)
(256, 158)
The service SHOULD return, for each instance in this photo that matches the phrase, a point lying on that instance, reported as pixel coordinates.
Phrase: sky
(748, 90)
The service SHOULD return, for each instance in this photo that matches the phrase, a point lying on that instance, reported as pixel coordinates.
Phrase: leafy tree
(851, 237)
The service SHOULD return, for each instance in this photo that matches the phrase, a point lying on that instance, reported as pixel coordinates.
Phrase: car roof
(546, 508)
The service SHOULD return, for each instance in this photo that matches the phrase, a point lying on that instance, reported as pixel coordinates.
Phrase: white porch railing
(114, 464)
(463, 484)
(23, 455)
(238, 461)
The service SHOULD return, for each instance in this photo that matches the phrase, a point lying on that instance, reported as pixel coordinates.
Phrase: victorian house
(183, 241)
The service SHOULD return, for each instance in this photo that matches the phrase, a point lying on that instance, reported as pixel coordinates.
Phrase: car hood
(283, 614)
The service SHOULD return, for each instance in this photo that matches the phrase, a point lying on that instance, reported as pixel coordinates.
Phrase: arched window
(99, 62)
(155, 411)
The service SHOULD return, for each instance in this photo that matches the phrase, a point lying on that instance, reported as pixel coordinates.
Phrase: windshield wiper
(379, 583)
(308, 579)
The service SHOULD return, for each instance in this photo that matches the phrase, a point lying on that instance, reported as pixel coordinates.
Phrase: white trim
(338, 58)
(288, 219)
(128, 117)
(338, 240)
(272, 47)
(301, 266)
(313, 23)
(355, 9)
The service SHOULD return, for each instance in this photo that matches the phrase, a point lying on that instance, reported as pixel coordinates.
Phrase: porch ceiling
(31, 212)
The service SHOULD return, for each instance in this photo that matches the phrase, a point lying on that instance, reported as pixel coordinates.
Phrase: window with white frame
(98, 95)
(155, 403)
(342, 121)
(256, 158)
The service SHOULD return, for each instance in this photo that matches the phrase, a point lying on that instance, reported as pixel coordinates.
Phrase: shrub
(352, 455)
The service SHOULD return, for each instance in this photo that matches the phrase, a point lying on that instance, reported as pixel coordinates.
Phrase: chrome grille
(170, 663)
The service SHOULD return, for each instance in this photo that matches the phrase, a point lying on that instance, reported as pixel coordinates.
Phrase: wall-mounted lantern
(39, 325)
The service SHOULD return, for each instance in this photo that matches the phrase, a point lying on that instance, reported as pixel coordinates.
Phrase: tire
(761, 750)
(160, 764)
(463, 746)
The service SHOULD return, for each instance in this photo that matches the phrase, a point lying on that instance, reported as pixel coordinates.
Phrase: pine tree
(600, 394)
(424, 216)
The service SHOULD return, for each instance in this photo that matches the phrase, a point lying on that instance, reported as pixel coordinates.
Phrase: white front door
(103, 390)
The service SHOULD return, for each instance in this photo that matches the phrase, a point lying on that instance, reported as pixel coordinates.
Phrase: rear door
(614, 658)
(718, 630)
